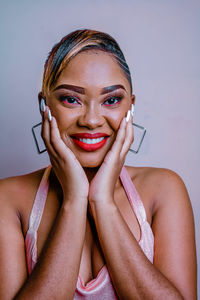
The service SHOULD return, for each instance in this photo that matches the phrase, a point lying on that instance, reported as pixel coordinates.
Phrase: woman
(79, 229)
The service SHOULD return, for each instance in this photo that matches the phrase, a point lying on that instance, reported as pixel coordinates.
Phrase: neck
(90, 173)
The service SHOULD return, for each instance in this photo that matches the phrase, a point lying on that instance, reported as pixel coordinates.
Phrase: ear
(133, 99)
(40, 96)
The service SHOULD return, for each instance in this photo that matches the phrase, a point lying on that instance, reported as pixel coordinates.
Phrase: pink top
(101, 287)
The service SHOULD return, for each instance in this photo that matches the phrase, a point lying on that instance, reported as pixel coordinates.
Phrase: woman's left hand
(103, 184)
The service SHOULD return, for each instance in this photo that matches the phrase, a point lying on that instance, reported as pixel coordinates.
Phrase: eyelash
(112, 104)
(66, 99)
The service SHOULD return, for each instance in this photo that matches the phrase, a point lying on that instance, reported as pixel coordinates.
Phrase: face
(89, 101)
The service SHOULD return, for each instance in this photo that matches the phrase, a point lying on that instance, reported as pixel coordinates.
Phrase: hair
(74, 43)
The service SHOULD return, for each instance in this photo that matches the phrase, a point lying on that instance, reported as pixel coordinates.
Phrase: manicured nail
(42, 105)
(132, 109)
(49, 115)
(128, 115)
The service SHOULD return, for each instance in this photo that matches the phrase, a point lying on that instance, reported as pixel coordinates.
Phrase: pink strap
(34, 220)
(147, 238)
(133, 196)
(40, 200)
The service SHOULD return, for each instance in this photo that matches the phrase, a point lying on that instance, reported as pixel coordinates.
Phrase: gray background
(161, 41)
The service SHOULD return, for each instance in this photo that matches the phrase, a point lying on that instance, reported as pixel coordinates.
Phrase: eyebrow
(81, 90)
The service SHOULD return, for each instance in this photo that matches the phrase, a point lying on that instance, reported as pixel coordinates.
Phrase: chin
(90, 163)
(90, 159)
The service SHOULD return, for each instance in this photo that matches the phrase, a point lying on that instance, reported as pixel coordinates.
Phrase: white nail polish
(132, 109)
(49, 115)
(128, 115)
(42, 105)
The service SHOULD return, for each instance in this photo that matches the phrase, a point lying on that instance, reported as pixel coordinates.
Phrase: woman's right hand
(67, 168)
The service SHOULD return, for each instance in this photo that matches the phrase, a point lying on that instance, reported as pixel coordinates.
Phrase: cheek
(64, 119)
(115, 119)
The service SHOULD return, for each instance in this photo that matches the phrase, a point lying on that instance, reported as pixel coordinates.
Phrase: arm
(55, 275)
(173, 274)
(133, 276)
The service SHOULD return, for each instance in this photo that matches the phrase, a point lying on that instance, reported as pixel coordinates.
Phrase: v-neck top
(101, 287)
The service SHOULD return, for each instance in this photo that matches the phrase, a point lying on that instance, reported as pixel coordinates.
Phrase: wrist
(101, 197)
(77, 203)
(105, 205)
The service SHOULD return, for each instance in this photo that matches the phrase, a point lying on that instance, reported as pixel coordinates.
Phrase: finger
(56, 140)
(58, 144)
(128, 139)
(118, 144)
(46, 134)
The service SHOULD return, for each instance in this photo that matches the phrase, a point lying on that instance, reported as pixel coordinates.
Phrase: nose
(91, 118)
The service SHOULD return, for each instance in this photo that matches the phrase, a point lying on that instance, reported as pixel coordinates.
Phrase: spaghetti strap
(133, 196)
(146, 241)
(34, 220)
(40, 200)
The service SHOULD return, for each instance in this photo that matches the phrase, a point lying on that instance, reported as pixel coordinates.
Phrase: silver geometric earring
(140, 135)
(137, 133)
(36, 131)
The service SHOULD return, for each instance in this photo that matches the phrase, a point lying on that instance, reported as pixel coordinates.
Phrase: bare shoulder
(172, 222)
(16, 199)
(17, 189)
(159, 186)
(154, 175)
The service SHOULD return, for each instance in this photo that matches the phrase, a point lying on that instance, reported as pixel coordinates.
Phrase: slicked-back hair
(75, 43)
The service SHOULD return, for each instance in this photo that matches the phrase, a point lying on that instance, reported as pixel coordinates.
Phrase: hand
(103, 184)
(67, 168)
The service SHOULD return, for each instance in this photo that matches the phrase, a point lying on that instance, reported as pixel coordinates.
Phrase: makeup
(88, 141)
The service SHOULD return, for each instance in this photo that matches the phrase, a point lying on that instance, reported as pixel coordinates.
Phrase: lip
(89, 135)
(89, 147)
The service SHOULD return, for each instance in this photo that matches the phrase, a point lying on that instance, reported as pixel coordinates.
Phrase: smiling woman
(95, 95)
(87, 227)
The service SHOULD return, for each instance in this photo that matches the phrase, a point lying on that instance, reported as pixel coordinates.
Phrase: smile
(89, 142)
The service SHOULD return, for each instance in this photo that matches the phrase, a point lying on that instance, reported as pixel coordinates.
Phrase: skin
(75, 212)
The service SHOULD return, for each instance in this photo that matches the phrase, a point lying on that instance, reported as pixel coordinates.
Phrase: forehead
(93, 69)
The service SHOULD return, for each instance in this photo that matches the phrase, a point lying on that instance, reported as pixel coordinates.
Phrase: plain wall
(161, 41)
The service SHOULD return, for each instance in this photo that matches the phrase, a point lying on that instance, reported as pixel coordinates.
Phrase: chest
(92, 259)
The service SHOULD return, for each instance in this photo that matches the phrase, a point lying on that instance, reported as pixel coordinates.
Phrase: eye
(69, 100)
(112, 101)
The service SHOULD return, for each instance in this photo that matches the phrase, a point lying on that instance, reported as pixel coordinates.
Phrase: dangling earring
(141, 134)
(36, 131)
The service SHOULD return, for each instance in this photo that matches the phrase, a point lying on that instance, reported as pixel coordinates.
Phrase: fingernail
(42, 105)
(132, 109)
(49, 115)
(128, 115)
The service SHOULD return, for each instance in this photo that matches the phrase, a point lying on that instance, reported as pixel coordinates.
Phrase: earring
(141, 135)
(36, 131)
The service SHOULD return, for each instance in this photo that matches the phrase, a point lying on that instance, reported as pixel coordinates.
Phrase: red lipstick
(89, 141)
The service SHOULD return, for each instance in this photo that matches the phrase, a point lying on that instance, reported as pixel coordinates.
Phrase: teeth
(91, 141)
